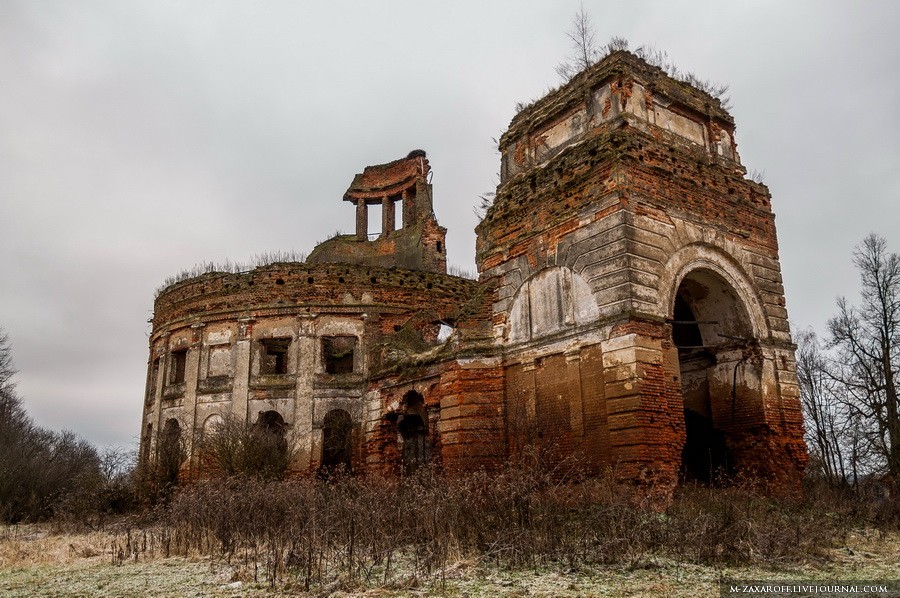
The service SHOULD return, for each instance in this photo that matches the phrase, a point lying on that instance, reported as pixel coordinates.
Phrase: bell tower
(418, 244)
(639, 299)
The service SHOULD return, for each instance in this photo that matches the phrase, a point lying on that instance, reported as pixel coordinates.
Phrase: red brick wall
(465, 407)
(645, 410)
(283, 287)
(568, 423)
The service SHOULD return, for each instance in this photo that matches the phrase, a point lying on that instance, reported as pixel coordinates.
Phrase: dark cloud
(139, 138)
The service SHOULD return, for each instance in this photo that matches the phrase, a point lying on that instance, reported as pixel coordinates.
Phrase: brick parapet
(308, 288)
(618, 69)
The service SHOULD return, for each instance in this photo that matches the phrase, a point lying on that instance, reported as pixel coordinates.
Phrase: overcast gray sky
(140, 138)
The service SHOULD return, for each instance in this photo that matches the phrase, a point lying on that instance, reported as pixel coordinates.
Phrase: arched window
(213, 445)
(212, 425)
(271, 422)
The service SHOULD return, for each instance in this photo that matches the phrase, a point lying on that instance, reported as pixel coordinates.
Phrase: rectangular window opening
(338, 352)
(275, 356)
(179, 362)
(398, 211)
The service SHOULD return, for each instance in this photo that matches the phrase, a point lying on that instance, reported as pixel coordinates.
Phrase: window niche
(219, 362)
(338, 354)
(217, 374)
(274, 356)
(152, 381)
(179, 365)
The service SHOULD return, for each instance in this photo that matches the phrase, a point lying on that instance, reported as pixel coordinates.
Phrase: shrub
(353, 530)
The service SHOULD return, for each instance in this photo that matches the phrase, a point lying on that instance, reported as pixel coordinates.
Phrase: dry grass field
(35, 561)
(520, 532)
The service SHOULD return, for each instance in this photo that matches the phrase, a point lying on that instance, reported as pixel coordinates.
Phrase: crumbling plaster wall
(223, 321)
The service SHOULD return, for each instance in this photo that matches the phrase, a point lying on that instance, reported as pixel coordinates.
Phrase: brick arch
(719, 321)
(703, 256)
(549, 302)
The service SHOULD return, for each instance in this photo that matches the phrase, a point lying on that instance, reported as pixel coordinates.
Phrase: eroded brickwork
(628, 186)
(629, 317)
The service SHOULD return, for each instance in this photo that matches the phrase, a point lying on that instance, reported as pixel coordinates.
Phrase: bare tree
(39, 469)
(824, 411)
(867, 338)
(7, 371)
(585, 51)
(485, 201)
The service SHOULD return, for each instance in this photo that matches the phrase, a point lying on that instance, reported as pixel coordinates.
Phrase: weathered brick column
(643, 405)
(387, 215)
(362, 220)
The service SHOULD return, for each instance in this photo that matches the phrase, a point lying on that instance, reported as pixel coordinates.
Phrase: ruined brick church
(628, 316)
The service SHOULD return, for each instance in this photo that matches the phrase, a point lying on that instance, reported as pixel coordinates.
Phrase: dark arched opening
(271, 422)
(709, 327)
(269, 455)
(170, 452)
(413, 428)
(337, 444)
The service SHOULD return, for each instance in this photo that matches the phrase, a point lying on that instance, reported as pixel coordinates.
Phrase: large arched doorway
(337, 443)
(413, 428)
(269, 455)
(712, 333)
(170, 452)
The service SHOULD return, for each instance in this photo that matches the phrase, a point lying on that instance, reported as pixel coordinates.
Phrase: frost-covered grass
(35, 562)
(511, 533)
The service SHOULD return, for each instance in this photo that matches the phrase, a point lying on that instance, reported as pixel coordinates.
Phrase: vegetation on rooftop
(586, 52)
(228, 267)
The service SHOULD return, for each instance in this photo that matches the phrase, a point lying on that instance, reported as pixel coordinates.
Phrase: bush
(353, 530)
(235, 447)
(105, 490)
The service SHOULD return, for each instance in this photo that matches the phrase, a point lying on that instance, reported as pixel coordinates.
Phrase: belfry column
(409, 208)
(362, 220)
(387, 215)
